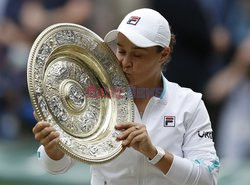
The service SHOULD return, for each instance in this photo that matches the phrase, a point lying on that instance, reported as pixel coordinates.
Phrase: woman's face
(141, 66)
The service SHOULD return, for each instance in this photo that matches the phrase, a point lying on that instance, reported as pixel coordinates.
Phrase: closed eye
(137, 55)
(121, 52)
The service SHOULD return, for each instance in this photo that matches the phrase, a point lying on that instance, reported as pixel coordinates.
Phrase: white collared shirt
(179, 123)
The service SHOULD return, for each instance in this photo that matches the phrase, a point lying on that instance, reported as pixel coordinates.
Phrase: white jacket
(188, 137)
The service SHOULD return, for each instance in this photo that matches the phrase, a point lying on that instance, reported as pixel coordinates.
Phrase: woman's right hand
(49, 138)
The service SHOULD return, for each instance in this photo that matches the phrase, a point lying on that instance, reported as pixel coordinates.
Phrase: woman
(170, 141)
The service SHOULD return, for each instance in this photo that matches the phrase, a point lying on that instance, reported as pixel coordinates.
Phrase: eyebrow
(136, 47)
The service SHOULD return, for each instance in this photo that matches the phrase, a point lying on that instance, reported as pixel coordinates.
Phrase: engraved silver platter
(76, 84)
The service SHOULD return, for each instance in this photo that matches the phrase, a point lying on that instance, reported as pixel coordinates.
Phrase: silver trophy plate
(76, 84)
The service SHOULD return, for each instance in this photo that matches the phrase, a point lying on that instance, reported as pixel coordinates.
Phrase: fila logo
(169, 121)
(133, 20)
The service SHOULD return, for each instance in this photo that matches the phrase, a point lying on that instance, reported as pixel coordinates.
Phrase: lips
(125, 73)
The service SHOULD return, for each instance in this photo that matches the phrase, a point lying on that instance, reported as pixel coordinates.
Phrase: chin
(130, 81)
(132, 84)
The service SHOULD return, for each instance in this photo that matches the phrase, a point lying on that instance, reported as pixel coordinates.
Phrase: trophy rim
(31, 86)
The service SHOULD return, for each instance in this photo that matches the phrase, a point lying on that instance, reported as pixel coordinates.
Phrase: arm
(50, 156)
(200, 163)
(136, 136)
(54, 166)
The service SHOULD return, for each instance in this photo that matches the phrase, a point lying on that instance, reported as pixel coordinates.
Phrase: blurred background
(212, 56)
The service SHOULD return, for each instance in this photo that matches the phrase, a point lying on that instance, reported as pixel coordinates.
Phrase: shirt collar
(163, 97)
(164, 91)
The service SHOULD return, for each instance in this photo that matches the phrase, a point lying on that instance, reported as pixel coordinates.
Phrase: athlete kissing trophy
(76, 84)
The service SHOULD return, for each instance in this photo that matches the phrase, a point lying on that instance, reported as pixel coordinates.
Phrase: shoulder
(182, 94)
(187, 104)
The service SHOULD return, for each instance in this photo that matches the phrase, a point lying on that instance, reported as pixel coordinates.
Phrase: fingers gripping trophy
(68, 67)
(118, 110)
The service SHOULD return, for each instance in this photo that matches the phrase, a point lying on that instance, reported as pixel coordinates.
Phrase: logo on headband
(133, 20)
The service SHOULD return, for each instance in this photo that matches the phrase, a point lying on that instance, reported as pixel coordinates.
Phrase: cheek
(120, 62)
(150, 68)
(119, 58)
(154, 64)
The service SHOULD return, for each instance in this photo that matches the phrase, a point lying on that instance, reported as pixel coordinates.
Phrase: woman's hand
(49, 138)
(136, 136)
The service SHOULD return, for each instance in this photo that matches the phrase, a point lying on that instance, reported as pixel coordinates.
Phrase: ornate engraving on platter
(69, 72)
(66, 96)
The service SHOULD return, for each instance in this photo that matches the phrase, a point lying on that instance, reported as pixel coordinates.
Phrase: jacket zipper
(140, 170)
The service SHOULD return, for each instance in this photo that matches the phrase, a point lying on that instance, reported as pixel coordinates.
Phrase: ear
(164, 54)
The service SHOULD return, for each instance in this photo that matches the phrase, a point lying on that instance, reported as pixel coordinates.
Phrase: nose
(126, 63)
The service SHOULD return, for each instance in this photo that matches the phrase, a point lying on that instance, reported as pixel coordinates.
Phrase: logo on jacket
(133, 20)
(204, 134)
(169, 121)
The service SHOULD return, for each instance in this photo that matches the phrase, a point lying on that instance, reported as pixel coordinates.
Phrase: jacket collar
(164, 94)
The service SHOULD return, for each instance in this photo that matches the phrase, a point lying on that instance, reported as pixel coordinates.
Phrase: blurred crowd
(211, 56)
(20, 23)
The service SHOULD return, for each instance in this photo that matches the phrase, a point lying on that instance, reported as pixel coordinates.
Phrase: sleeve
(52, 166)
(200, 165)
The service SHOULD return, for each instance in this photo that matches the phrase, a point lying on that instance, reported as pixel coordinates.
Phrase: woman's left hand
(135, 135)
